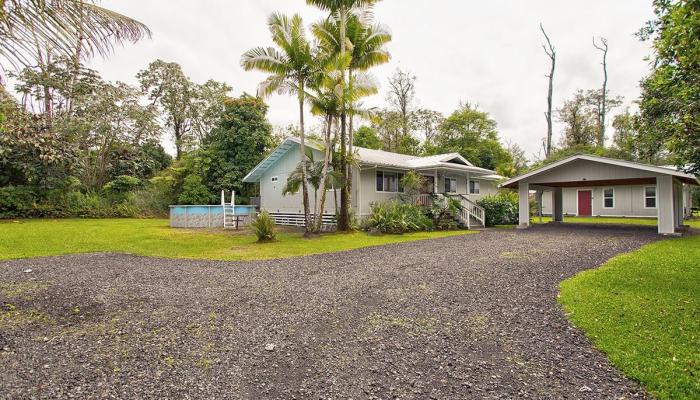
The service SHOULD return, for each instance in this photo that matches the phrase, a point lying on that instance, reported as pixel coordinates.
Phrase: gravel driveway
(462, 317)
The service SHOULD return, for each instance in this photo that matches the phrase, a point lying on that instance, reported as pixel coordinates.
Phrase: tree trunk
(302, 148)
(177, 131)
(551, 53)
(327, 158)
(344, 219)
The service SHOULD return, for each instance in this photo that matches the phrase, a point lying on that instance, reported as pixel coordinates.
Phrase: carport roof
(686, 178)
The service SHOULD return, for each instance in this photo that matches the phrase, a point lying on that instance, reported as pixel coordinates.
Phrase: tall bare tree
(552, 54)
(602, 107)
(402, 93)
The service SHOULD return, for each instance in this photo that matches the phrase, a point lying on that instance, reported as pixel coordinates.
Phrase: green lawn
(694, 223)
(153, 237)
(643, 310)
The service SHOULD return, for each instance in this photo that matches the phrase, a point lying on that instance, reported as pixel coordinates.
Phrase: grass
(694, 223)
(153, 237)
(643, 310)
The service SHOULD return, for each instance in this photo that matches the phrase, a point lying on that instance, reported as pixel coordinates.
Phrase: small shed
(605, 174)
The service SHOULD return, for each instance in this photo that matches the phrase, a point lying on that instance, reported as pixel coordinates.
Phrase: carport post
(524, 198)
(666, 204)
(557, 205)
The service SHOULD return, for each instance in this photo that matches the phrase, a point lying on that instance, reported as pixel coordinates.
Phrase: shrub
(16, 200)
(442, 213)
(264, 227)
(154, 199)
(121, 184)
(397, 217)
(501, 209)
(194, 191)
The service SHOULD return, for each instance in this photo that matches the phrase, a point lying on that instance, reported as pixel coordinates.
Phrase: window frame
(645, 197)
(399, 184)
(444, 184)
(605, 198)
(477, 187)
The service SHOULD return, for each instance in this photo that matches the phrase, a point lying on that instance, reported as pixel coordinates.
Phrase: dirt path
(473, 316)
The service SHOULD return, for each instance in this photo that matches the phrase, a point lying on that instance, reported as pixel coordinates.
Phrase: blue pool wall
(201, 216)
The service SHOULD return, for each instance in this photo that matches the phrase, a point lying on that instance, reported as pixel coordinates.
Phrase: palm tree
(291, 66)
(69, 28)
(340, 11)
(368, 50)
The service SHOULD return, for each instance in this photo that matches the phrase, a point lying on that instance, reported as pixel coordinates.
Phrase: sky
(484, 52)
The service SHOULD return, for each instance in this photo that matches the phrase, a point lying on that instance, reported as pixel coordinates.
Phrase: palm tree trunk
(302, 148)
(324, 174)
(343, 221)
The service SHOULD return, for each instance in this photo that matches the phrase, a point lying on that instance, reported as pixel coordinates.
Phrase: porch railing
(472, 208)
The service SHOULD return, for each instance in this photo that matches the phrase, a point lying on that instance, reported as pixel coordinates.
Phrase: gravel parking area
(471, 316)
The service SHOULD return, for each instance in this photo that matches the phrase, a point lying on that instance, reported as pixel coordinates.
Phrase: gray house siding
(629, 201)
(271, 198)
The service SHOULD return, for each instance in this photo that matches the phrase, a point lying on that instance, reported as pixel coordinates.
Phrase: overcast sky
(484, 52)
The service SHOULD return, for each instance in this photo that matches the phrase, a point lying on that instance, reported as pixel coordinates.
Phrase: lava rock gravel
(471, 316)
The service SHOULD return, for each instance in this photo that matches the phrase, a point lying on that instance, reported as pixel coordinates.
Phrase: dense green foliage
(93, 148)
(397, 217)
(641, 309)
(237, 143)
(264, 227)
(153, 237)
(471, 133)
(670, 101)
(500, 209)
(367, 137)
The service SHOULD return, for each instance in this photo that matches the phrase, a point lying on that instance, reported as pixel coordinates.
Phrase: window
(450, 185)
(609, 198)
(474, 187)
(274, 179)
(650, 197)
(389, 182)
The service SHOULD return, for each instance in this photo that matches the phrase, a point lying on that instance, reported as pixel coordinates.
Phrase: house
(376, 177)
(586, 185)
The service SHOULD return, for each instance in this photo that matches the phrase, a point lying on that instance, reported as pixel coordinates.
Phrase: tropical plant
(263, 226)
(316, 177)
(397, 217)
(413, 182)
(442, 211)
(291, 66)
(341, 11)
(70, 28)
(501, 208)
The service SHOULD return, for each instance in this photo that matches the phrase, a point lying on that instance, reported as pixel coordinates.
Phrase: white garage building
(585, 185)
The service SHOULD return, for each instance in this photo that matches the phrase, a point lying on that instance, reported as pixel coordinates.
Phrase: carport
(586, 171)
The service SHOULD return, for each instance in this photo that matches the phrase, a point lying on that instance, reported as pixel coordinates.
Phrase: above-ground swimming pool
(206, 216)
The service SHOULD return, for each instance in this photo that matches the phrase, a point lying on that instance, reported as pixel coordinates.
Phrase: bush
(264, 227)
(501, 209)
(16, 200)
(194, 191)
(396, 217)
(121, 184)
(442, 213)
(154, 199)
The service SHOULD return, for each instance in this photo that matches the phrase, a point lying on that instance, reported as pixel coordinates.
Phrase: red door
(584, 203)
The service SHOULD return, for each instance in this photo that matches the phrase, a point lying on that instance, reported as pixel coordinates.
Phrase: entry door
(584, 203)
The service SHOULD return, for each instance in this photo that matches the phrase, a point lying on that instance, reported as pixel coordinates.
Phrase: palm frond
(63, 26)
